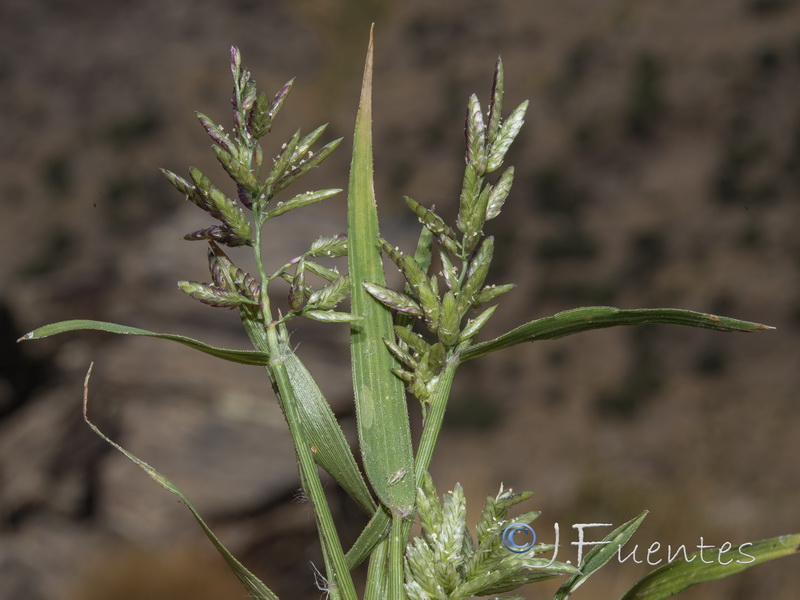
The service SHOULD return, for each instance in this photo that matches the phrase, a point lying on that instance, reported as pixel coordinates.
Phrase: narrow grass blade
(598, 317)
(383, 425)
(252, 584)
(600, 555)
(676, 576)
(245, 357)
(329, 446)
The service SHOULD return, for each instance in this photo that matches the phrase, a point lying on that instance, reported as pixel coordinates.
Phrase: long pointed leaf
(383, 425)
(245, 357)
(676, 576)
(598, 317)
(252, 584)
(599, 555)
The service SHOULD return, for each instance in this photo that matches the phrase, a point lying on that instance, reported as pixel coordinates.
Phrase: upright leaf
(383, 426)
(600, 555)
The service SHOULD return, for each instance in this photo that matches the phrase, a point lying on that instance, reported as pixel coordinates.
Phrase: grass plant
(406, 345)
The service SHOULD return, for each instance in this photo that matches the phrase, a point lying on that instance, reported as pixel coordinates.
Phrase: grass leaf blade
(252, 584)
(373, 533)
(676, 576)
(599, 317)
(600, 555)
(244, 357)
(383, 426)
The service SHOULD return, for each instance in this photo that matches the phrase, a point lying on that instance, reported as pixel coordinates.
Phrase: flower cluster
(444, 563)
(441, 302)
(256, 183)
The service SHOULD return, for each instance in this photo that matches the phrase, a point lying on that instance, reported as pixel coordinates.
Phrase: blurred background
(659, 166)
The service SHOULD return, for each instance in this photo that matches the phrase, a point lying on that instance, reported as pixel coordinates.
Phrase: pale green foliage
(444, 563)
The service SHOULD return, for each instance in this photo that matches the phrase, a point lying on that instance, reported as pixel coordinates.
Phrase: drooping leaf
(599, 317)
(252, 584)
(244, 357)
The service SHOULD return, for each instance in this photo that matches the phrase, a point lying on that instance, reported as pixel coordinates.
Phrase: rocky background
(660, 166)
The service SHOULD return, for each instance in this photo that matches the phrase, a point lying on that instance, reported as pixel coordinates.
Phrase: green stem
(286, 267)
(397, 544)
(376, 574)
(267, 341)
(330, 588)
(430, 435)
(266, 312)
(312, 483)
(434, 418)
(264, 337)
(401, 528)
